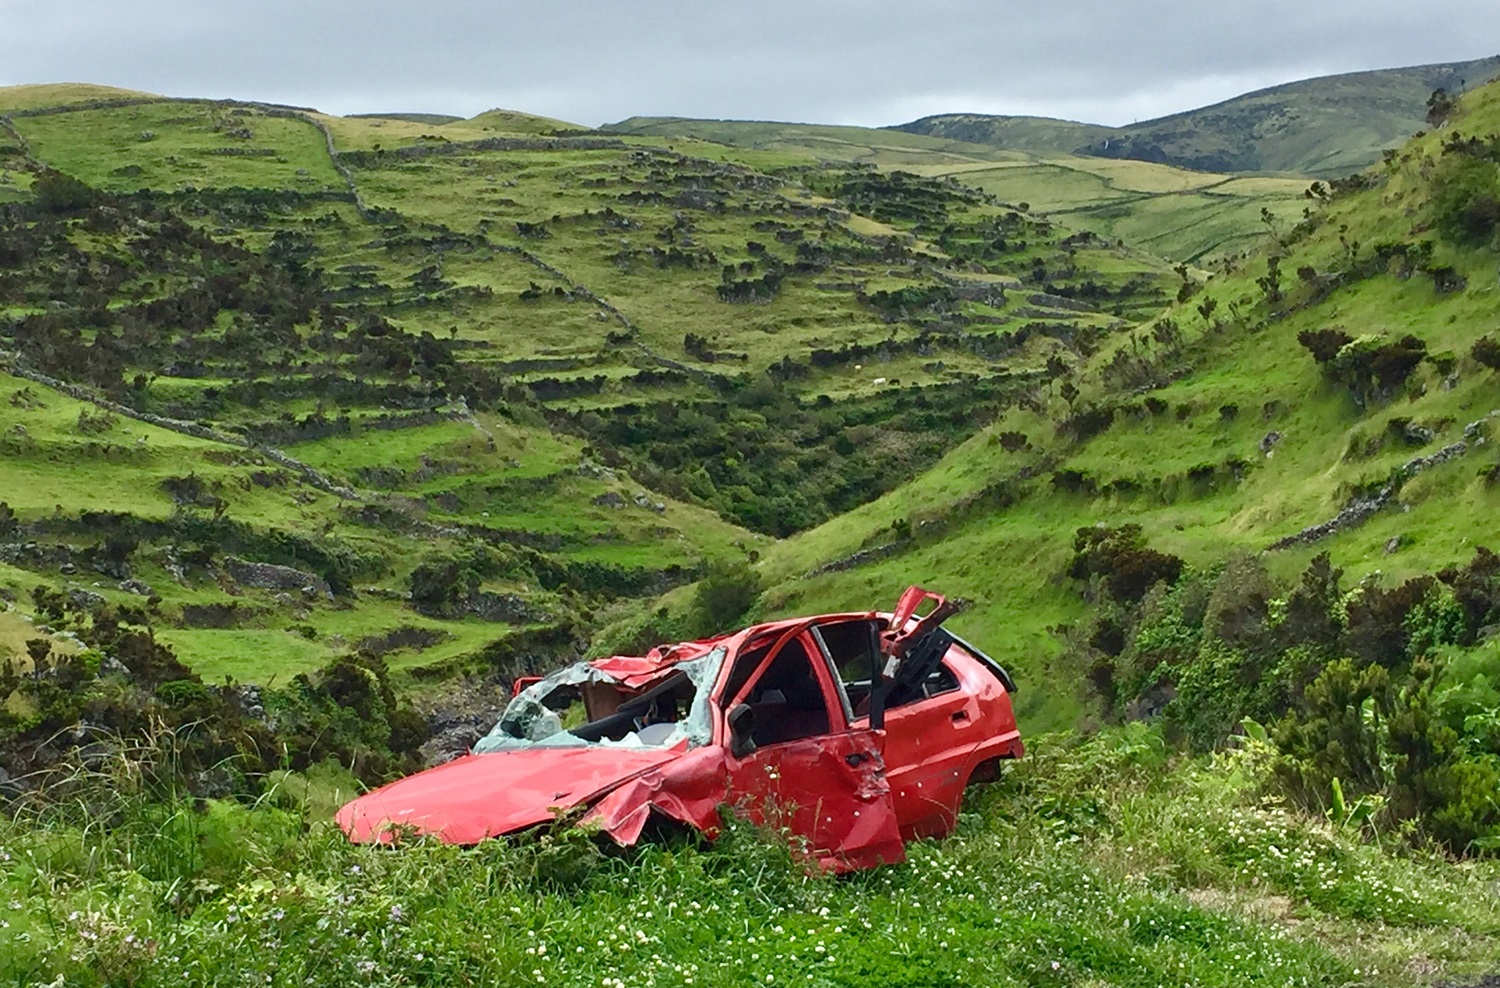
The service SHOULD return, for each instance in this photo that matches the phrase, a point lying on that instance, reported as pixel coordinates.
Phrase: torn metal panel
(689, 790)
(478, 796)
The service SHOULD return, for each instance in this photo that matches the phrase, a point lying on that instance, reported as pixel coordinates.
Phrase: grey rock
(268, 576)
(1417, 435)
(1480, 427)
(1360, 509)
(86, 600)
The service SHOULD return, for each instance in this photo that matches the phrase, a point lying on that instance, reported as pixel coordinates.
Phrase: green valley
(317, 432)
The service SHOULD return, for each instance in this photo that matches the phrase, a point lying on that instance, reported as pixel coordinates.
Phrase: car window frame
(823, 671)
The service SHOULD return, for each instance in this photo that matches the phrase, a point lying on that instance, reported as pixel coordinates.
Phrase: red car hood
(478, 796)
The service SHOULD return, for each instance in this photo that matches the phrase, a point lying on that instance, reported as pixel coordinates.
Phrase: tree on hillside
(1440, 106)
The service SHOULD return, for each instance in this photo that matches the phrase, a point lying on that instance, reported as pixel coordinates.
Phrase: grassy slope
(1098, 864)
(1176, 213)
(1011, 561)
(1325, 127)
(1107, 863)
(50, 464)
(58, 93)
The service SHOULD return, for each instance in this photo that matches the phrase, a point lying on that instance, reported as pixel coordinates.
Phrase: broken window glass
(660, 713)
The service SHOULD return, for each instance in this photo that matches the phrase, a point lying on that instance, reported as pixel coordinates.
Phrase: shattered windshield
(581, 706)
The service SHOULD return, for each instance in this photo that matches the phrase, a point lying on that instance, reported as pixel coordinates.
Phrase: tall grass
(1100, 862)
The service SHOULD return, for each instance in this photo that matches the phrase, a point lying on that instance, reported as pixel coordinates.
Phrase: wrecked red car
(854, 731)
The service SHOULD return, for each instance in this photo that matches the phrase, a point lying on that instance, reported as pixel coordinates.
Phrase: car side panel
(934, 745)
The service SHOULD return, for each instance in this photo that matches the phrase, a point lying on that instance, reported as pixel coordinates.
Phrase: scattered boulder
(249, 698)
(610, 499)
(268, 576)
(588, 468)
(1479, 428)
(1269, 441)
(1417, 435)
(86, 600)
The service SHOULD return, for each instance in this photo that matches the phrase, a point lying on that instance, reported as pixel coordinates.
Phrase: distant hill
(546, 344)
(1320, 127)
(1183, 215)
(435, 119)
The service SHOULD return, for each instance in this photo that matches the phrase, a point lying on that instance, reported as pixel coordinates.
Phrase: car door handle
(959, 715)
(856, 758)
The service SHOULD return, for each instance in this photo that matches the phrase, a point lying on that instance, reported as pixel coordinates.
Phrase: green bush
(59, 193)
(1486, 350)
(1437, 782)
(1466, 198)
(1122, 560)
(1335, 735)
(723, 596)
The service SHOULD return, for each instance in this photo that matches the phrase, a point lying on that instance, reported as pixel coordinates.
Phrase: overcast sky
(869, 62)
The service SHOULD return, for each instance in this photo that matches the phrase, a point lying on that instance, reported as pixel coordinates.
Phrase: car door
(930, 722)
(805, 770)
(930, 741)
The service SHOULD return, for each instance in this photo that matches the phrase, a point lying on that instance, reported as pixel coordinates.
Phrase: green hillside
(1175, 213)
(1303, 451)
(1325, 127)
(317, 432)
(584, 367)
(1215, 430)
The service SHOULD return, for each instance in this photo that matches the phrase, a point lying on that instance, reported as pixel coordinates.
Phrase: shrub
(1466, 198)
(1121, 558)
(1434, 780)
(1486, 350)
(59, 193)
(1377, 631)
(724, 595)
(1476, 589)
(1373, 368)
(1335, 735)
(1239, 607)
(1324, 344)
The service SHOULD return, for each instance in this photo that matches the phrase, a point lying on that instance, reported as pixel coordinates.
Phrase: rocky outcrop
(268, 576)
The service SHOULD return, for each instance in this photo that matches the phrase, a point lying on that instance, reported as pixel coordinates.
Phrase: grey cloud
(838, 61)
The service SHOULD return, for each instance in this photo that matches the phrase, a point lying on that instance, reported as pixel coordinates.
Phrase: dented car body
(855, 732)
